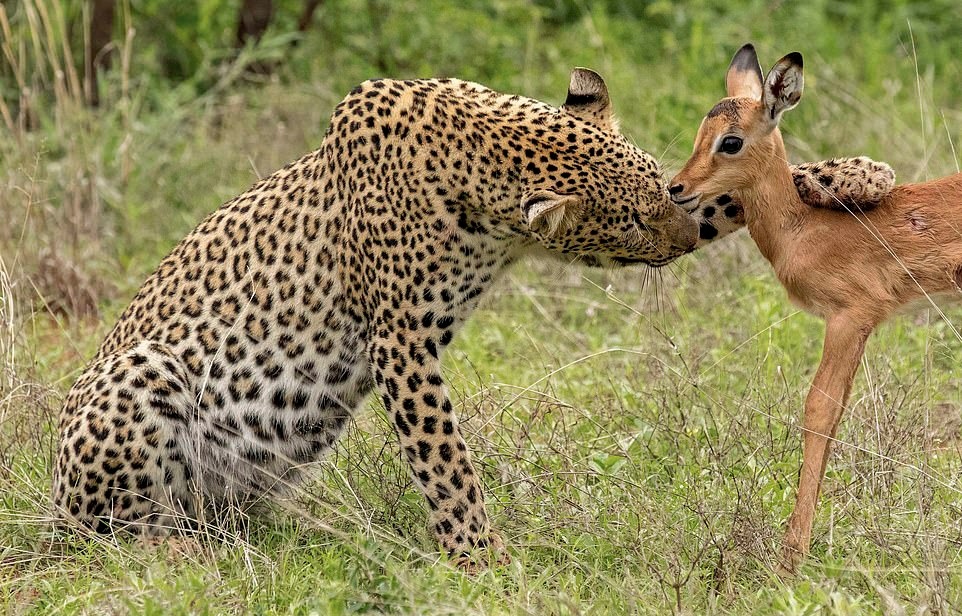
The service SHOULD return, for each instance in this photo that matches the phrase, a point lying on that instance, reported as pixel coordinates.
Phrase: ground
(638, 434)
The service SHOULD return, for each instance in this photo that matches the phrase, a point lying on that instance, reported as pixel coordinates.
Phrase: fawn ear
(588, 98)
(547, 212)
(744, 78)
(783, 87)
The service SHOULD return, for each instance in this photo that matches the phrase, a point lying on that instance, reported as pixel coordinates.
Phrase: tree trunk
(308, 14)
(98, 52)
(255, 16)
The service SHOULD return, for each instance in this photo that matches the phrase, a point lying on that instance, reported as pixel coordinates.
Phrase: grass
(639, 439)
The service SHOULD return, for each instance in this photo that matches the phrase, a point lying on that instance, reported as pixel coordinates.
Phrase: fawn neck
(771, 202)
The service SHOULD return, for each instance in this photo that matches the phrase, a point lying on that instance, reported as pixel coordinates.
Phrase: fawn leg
(843, 349)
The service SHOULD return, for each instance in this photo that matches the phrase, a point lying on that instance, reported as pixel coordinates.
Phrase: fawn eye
(730, 145)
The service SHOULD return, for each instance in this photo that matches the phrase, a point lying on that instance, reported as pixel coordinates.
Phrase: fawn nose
(676, 190)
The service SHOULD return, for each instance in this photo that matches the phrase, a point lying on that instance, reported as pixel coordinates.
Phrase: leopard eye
(640, 222)
(730, 145)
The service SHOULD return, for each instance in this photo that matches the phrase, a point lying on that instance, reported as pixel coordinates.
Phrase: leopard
(243, 357)
(257, 340)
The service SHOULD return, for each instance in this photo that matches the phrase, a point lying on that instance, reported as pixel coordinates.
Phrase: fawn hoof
(790, 558)
(786, 568)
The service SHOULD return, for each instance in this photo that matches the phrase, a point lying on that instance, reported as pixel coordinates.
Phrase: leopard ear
(588, 98)
(548, 213)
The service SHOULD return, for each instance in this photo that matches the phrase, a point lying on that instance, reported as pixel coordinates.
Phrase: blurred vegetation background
(194, 96)
(124, 122)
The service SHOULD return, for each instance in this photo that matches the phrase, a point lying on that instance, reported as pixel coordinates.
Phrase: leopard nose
(676, 190)
(682, 229)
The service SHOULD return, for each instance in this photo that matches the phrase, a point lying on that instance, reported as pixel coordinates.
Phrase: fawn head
(738, 141)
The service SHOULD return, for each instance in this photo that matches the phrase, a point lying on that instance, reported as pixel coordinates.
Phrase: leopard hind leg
(121, 462)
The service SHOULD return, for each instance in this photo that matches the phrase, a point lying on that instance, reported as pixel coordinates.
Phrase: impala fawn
(853, 269)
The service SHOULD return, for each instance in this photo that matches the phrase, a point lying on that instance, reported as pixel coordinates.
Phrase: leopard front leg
(407, 370)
